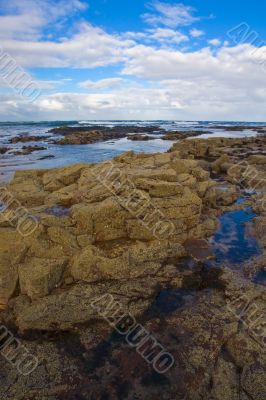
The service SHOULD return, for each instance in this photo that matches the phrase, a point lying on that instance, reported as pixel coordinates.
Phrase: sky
(131, 59)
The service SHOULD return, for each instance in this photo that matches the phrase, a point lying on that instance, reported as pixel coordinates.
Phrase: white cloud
(196, 33)
(157, 36)
(90, 47)
(164, 35)
(215, 42)
(26, 19)
(170, 15)
(201, 98)
(217, 82)
(102, 83)
(228, 63)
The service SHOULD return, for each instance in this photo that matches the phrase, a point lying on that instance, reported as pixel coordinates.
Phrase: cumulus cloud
(27, 19)
(102, 83)
(215, 42)
(90, 47)
(196, 33)
(170, 15)
(163, 35)
(201, 98)
(157, 36)
(228, 63)
(215, 82)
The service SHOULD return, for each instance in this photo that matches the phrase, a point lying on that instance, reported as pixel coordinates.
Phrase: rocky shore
(138, 228)
(88, 135)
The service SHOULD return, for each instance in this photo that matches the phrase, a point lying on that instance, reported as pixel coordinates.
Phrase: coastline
(32, 145)
(97, 233)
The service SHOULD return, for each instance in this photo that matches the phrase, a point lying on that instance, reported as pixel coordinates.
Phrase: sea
(62, 155)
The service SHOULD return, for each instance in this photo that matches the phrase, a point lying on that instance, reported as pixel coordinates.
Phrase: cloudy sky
(127, 59)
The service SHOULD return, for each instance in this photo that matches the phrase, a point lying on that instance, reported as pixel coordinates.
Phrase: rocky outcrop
(28, 150)
(217, 356)
(133, 228)
(88, 135)
(28, 138)
(142, 138)
(125, 219)
(242, 161)
(180, 135)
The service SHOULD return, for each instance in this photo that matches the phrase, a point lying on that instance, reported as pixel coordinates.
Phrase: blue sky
(113, 59)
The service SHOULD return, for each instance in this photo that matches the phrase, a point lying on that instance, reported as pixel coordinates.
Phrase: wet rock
(260, 227)
(86, 135)
(253, 380)
(140, 137)
(47, 157)
(28, 138)
(225, 381)
(28, 150)
(4, 150)
(180, 135)
(199, 249)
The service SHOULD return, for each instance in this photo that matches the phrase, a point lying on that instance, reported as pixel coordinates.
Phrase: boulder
(38, 277)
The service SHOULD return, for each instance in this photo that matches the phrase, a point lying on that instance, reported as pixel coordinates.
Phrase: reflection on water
(260, 278)
(70, 154)
(232, 243)
(168, 301)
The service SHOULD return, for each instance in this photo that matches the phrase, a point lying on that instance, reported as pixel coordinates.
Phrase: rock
(257, 159)
(48, 157)
(82, 138)
(30, 194)
(180, 135)
(135, 228)
(140, 137)
(28, 150)
(8, 280)
(12, 252)
(199, 249)
(38, 277)
(4, 150)
(225, 381)
(219, 165)
(87, 135)
(253, 381)
(260, 227)
(28, 138)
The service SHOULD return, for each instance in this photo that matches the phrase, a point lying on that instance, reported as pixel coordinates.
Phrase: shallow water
(260, 278)
(64, 155)
(232, 243)
(168, 301)
(58, 211)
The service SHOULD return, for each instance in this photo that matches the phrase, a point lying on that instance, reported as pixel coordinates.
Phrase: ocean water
(65, 155)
